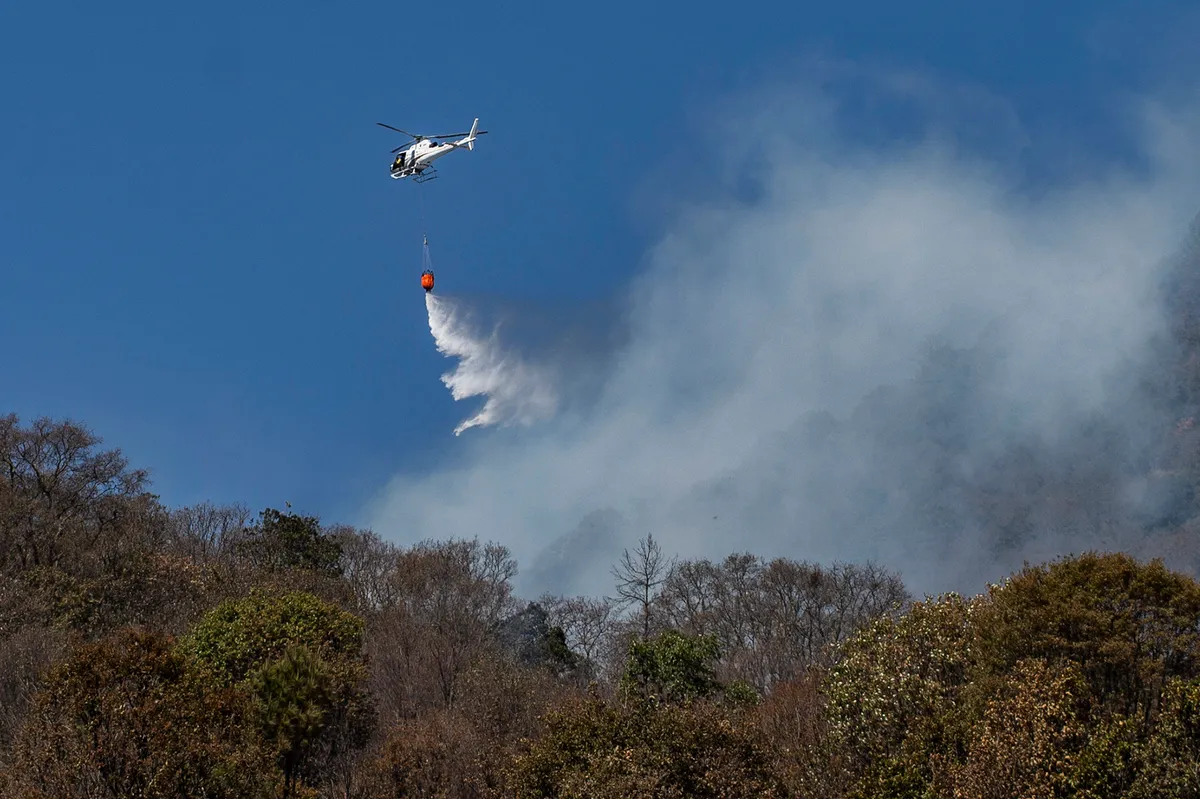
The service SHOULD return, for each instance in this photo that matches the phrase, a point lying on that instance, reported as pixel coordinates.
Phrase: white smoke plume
(765, 396)
(517, 392)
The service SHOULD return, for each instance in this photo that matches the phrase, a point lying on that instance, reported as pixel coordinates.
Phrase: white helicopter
(416, 159)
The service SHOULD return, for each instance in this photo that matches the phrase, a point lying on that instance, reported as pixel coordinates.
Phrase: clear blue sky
(204, 258)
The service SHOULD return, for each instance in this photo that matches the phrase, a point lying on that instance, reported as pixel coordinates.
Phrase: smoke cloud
(899, 351)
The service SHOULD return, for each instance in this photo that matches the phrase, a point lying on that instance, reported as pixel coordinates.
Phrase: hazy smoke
(852, 350)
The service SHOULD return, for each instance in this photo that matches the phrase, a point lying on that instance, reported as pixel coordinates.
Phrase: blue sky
(204, 258)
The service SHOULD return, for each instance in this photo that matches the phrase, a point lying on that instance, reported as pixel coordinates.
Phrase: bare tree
(449, 601)
(368, 564)
(208, 532)
(688, 599)
(639, 577)
(28, 648)
(588, 626)
(773, 619)
(59, 496)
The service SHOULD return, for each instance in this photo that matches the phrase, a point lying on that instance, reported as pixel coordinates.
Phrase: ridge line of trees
(209, 651)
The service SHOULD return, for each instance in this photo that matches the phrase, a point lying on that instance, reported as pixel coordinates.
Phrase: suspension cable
(424, 227)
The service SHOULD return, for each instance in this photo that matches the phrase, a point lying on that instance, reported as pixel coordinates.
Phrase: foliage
(239, 634)
(596, 750)
(1049, 685)
(290, 541)
(141, 589)
(1108, 762)
(737, 676)
(126, 717)
(671, 667)
(301, 659)
(666, 739)
(294, 697)
(1170, 761)
(1130, 626)
(534, 642)
(429, 756)
(891, 693)
(1025, 744)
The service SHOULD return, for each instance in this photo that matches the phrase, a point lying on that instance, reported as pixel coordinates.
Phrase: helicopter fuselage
(418, 157)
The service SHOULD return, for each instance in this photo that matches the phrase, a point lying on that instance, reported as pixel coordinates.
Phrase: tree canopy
(210, 651)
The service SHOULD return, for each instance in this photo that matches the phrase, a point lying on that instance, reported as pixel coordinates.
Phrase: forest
(215, 652)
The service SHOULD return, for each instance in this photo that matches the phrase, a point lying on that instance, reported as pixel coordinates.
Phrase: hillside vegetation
(207, 651)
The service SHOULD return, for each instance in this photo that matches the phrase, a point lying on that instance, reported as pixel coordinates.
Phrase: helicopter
(415, 160)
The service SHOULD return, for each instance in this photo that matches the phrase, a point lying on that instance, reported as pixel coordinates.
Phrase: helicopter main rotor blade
(455, 135)
(405, 132)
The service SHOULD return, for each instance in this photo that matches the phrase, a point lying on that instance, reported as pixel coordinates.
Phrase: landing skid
(427, 174)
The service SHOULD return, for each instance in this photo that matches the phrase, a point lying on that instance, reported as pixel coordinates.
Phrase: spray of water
(517, 391)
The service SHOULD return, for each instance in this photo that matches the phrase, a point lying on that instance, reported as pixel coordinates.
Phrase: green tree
(669, 738)
(1048, 685)
(671, 667)
(891, 693)
(239, 635)
(294, 699)
(1130, 626)
(290, 541)
(534, 642)
(301, 658)
(142, 588)
(1169, 765)
(1109, 761)
(1026, 743)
